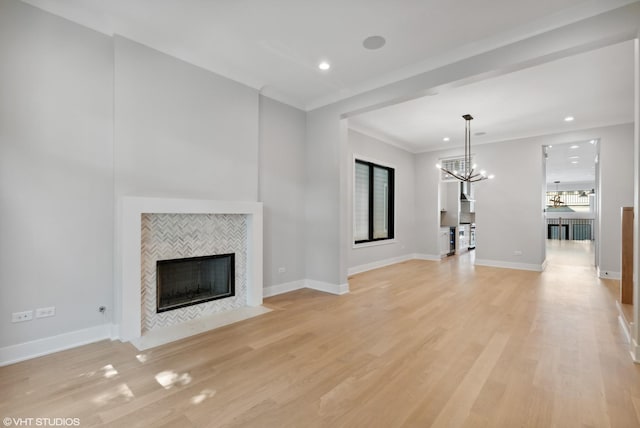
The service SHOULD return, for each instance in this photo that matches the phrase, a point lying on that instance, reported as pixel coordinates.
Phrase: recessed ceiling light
(574, 162)
(324, 65)
(374, 42)
(446, 139)
(550, 147)
(574, 157)
(569, 119)
(592, 141)
(575, 146)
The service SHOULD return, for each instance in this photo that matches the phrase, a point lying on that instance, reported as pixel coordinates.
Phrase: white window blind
(361, 208)
(380, 202)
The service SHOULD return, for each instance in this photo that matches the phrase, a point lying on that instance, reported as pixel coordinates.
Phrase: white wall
(282, 166)
(56, 173)
(516, 187)
(181, 131)
(325, 244)
(369, 148)
(427, 204)
(616, 191)
(509, 214)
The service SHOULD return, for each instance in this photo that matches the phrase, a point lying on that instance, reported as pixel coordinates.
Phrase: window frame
(391, 170)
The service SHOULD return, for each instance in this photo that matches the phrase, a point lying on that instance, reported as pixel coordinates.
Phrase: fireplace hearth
(189, 281)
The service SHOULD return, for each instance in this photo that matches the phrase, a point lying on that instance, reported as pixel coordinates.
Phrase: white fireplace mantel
(128, 300)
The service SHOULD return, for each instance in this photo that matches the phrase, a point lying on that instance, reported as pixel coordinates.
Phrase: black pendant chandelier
(468, 173)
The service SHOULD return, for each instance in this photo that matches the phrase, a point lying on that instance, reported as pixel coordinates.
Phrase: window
(452, 164)
(373, 202)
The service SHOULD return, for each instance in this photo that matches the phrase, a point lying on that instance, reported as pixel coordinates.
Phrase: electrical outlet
(282, 270)
(45, 312)
(22, 316)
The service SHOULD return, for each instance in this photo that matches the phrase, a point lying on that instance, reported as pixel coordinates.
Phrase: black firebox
(193, 280)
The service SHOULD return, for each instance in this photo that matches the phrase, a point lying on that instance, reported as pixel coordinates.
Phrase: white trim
(378, 264)
(327, 287)
(429, 257)
(365, 158)
(625, 329)
(391, 261)
(274, 290)
(607, 274)
(626, 326)
(49, 345)
(544, 264)
(635, 351)
(367, 132)
(115, 332)
(509, 265)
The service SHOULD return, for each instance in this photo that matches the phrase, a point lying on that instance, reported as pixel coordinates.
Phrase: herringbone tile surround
(172, 236)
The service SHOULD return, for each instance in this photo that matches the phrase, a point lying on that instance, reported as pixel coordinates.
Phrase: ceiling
(276, 45)
(572, 163)
(595, 87)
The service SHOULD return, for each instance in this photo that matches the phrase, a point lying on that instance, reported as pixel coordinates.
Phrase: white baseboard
(635, 351)
(274, 290)
(48, 345)
(607, 274)
(392, 261)
(510, 265)
(544, 265)
(115, 331)
(327, 287)
(625, 329)
(429, 257)
(378, 264)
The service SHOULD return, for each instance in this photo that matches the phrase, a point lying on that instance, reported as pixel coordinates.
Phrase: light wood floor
(417, 344)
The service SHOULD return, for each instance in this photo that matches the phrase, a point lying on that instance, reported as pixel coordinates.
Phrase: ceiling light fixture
(569, 119)
(575, 146)
(324, 65)
(446, 139)
(468, 173)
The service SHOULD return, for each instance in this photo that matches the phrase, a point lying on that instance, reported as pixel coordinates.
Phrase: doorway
(570, 204)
